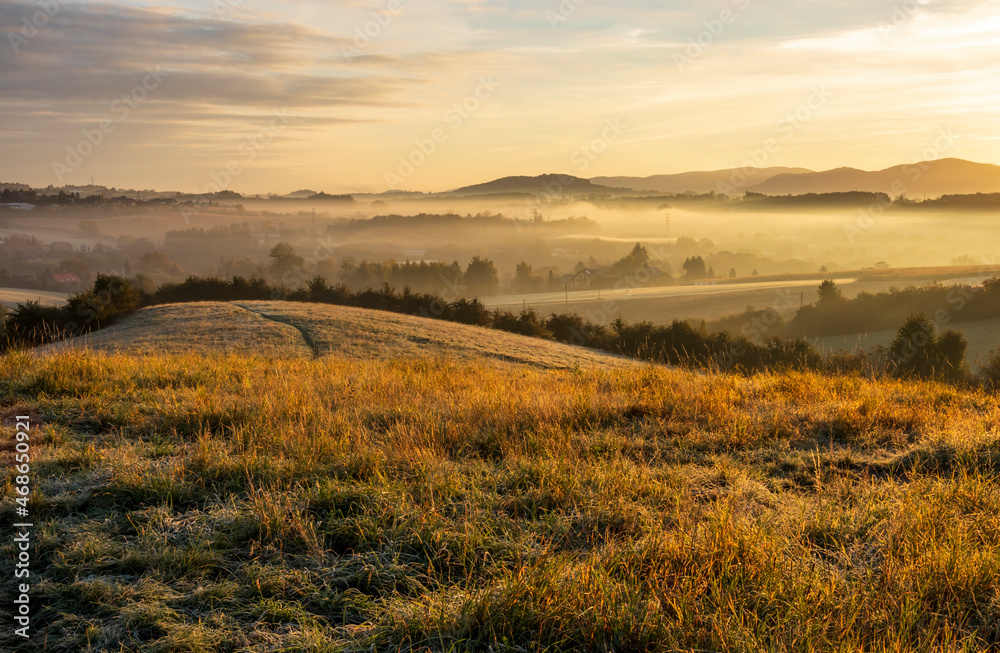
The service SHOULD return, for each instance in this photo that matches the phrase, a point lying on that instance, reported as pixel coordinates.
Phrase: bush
(527, 323)
(991, 369)
(917, 350)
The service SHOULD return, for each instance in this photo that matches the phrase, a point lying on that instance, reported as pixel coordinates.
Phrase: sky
(367, 96)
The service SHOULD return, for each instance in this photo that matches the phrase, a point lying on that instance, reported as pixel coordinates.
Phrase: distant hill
(295, 330)
(931, 178)
(299, 194)
(698, 182)
(550, 184)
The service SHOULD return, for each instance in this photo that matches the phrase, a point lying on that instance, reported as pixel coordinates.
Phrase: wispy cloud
(900, 68)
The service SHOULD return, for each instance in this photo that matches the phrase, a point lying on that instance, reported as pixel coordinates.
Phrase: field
(290, 329)
(247, 501)
(11, 297)
(983, 337)
(663, 304)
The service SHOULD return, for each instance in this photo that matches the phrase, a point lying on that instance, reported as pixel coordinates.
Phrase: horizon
(272, 193)
(393, 95)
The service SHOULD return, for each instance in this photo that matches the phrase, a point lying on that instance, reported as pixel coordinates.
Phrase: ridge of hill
(914, 180)
(699, 182)
(548, 184)
(295, 330)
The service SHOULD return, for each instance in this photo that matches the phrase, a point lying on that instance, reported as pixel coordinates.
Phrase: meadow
(236, 502)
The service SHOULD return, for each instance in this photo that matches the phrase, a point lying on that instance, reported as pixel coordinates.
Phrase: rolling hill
(549, 184)
(296, 330)
(931, 178)
(698, 182)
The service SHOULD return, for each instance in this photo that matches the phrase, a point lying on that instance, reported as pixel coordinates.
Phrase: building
(65, 281)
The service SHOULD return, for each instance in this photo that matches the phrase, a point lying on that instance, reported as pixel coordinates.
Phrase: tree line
(918, 349)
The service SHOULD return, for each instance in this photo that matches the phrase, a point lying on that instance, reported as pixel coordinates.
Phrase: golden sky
(365, 96)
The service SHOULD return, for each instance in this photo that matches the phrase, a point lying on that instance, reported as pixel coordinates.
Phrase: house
(17, 206)
(66, 281)
(583, 279)
(121, 201)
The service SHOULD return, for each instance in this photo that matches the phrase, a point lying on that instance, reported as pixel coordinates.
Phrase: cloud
(94, 53)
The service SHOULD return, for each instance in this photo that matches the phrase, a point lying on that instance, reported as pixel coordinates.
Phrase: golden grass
(233, 503)
(292, 329)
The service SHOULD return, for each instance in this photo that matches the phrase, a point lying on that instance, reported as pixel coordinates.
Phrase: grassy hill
(291, 329)
(348, 502)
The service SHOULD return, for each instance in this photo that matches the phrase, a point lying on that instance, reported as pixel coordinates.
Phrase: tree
(481, 277)
(637, 259)
(285, 259)
(829, 292)
(732, 273)
(694, 268)
(951, 346)
(524, 279)
(912, 349)
(917, 350)
(79, 267)
(991, 369)
(158, 263)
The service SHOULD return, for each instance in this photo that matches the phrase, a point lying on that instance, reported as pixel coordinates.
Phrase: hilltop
(699, 182)
(293, 329)
(930, 178)
(548, 184)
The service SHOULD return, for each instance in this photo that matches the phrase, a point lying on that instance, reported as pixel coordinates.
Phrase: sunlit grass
(191, 503)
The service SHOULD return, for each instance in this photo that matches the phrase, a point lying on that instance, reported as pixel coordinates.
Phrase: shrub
(917, 350)
(991, 368)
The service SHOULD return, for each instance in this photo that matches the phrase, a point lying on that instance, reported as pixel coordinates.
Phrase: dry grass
(193, 503)
(291, 329)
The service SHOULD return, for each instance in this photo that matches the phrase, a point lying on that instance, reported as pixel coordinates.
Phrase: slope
(930, 178)
(699, 182)
(294, 330)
